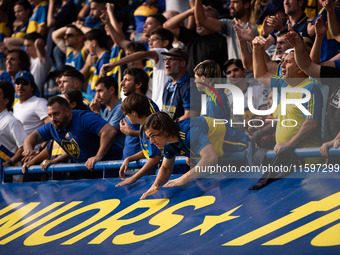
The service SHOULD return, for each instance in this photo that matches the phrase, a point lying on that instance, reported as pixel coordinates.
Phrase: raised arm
(301, 55)
(175, 22)
(320, 31)
(244, 35)
(333, 23)
(261, 72)
(50, 13)
(39, 45)
(139, 55)
(58, 38)
(13, 43)
(201, 19)
(115, 30)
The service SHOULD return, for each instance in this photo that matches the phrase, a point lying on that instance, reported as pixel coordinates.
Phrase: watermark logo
(209, 93)
(302, 96)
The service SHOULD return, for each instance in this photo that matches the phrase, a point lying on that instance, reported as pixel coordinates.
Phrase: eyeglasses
(172, 59)
(154, 39)
(69, 35)
(22, 82)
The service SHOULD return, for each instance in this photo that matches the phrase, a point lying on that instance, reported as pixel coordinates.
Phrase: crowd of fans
(85, 80)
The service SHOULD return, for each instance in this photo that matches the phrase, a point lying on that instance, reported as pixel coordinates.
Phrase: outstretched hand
(321, 27)
(126, 181)
(293, 38)
(244, 33)
(153, 189)
(176, 182)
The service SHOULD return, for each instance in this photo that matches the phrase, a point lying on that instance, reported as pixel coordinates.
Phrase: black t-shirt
(200, 48)
(332, 127)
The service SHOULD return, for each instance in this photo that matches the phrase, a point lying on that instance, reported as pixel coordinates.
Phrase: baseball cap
(25, 75)
(176, 52)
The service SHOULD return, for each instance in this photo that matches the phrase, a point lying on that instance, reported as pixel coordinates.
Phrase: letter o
(282, 122)
(105, 207)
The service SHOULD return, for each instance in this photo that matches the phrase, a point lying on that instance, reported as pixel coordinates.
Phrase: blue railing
(115, 165)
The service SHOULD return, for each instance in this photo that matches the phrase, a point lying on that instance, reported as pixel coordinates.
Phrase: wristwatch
(10, 162)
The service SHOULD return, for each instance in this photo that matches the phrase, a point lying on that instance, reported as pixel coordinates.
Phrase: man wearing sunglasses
(70, 40)
(30, 110)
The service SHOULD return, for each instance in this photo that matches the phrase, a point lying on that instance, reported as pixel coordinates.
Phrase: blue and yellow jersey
(196, 133)
(5, 154)
(94, 73)
(132, 143)
(75, 59)
(117, 72)
(5, 31)
(140, 15)
(278, 69)
(38, 18)
(20, 31)
(294, 117)
(147, 148)
(329, 47)
(176, 97)
(87, 99)
(54, 149)
(149, 68)
(216, 108)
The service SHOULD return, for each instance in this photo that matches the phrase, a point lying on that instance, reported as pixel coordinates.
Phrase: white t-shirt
(31, 113)
(177, 5)
(227, 28)
(260, 96)
(40, 71)
(159, 77)
(12, 133)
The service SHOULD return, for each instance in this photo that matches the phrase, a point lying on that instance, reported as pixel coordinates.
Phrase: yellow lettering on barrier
(9, 208)
(165, 220)
(9, 223)
(113, 223)
(329, 237)
(39, 237)
(305, 229)
(325, 204)
(211, 221)
(39, 222)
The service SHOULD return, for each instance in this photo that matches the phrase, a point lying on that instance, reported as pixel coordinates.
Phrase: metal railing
(115, 165)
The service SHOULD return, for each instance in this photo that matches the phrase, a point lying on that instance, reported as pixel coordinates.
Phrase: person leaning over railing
(53, 153)
(136, 107)
(84, 135)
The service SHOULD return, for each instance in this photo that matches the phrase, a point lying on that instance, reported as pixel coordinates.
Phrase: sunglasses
(22, 82)
(69, 35)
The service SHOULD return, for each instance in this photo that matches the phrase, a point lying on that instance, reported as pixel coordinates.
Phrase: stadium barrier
(115, 165)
